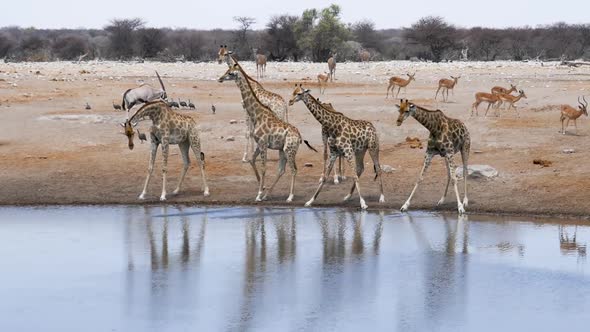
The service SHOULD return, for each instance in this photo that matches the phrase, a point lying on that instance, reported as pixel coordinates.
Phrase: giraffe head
(222, 53)
(231, 74)
(406, 108)
(297, 94)
(128, 127)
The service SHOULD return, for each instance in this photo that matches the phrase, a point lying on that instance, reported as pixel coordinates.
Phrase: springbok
(490, 98)
(400, 83)
(511, 100)
(260, 64)
(447, 85)
(500, 90)
(571, 113)
(143, 94)
(323, 81)
(332, 66)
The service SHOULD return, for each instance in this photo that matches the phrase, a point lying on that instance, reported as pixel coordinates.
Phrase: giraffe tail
(376, 173)
(309, 146)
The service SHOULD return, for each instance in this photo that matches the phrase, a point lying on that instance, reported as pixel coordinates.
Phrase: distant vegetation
(313, 36)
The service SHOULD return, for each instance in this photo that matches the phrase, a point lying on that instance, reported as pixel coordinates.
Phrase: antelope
(570, 113)
(116, 107)
(182, 103)
(365, 56)
(447, 85)
(260, 63)
(191, 105)
(323, 81)
(511, 100)
(400, 83)
(332, 66)
(489, 98)
(143, 94)
(498, 90)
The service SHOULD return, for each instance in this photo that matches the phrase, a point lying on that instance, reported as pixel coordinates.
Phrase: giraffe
(260, 63)
(272, 100)
(168, 127)
(447, 137)
(269, 132)
(332, 66)
(345, 137)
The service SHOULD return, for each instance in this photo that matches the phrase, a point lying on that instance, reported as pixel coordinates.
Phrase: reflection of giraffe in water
(569, 245)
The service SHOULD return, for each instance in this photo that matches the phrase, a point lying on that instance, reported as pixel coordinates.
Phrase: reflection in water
(568, 245)
(208, 269)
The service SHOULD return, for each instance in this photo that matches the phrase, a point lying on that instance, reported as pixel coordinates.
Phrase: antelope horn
(584, 98)
(161, 83)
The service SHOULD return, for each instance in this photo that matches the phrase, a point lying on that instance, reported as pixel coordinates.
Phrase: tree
(280, 39)
(188, 44)
(122, 36)
(328, 34)
(69, 47)
(245, 23)
(364, 33)
(435, 33)
(151, 42)
(7, 44)
(485, 43)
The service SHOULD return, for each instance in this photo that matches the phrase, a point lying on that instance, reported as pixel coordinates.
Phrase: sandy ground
(53, 151)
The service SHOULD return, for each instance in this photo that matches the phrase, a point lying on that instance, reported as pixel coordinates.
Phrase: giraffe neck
(153, 112)
(429, 119)
(252, 104)
(324, 117)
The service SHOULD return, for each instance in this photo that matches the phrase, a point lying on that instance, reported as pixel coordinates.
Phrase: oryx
(143, 94)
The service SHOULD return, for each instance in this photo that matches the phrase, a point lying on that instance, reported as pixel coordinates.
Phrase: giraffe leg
(293, 166)
(282, 164)
(351, 160)
(442, 200)
(337, 171)
(184, 147)
(333, 156)
(253, 163)
(248, 135)
(195, 144)
(262, 173)
(325, 141)
(374, 153)
(165, 151)
(451, 162)
(153, 153)
(465, 159)
(360, 167)
(427, 160)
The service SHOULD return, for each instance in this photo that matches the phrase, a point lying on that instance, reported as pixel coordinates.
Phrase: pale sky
(210, 14)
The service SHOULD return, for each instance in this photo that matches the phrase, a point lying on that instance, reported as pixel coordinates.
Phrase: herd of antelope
(497, 97)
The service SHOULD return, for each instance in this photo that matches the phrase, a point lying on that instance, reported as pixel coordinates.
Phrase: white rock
(387, 168)
(568, 151)
(233, 121)
(230, 139)
(477, 171)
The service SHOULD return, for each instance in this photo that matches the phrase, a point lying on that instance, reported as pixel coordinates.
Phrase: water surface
(270, 269)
